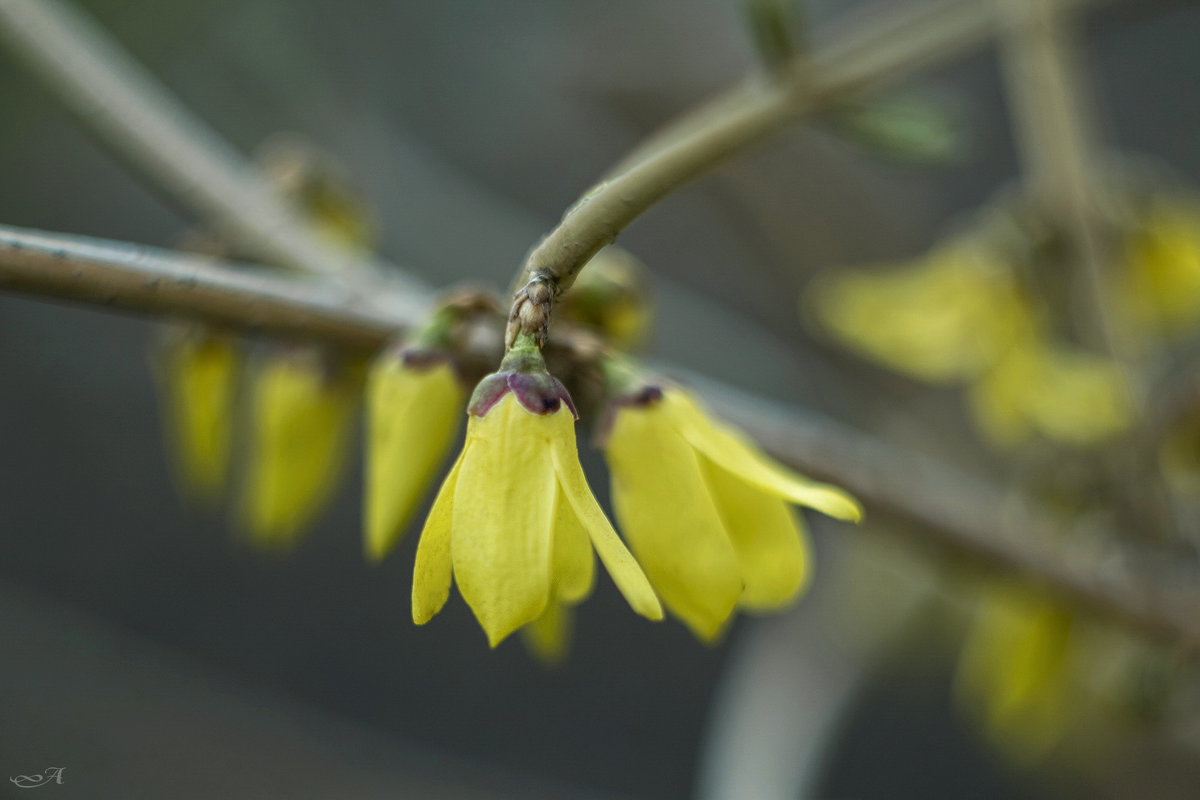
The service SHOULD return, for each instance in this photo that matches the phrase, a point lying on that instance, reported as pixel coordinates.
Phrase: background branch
(136, 115)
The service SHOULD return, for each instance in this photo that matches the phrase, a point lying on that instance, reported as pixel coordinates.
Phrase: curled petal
(740, 456)
(625, 572)
(432, 571)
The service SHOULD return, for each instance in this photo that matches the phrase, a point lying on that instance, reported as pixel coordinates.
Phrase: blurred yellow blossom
(942, 318)
(197, 379)
(415, 403)
(706, 512)
(1062, 393)
(1015, 673)
(1159, 288)
(301, 409)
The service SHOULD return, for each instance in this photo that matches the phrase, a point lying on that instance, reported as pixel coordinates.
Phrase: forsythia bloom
(946, 317)
(960, 315)
(197, 378)
(414, 404)
(1062, 393)
(1160, 286)
(706, 512)
(513, 519)
(1015, 671)
(302, 407)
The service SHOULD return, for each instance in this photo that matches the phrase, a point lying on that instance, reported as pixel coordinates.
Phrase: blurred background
(151, 654)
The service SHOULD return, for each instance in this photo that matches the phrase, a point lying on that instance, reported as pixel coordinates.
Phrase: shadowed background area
(150, 653)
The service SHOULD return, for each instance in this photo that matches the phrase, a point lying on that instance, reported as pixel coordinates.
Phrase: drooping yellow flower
(1159, 288)
(414, 406)
(197, 380)
(513, 519)
(706, 512)
(1062, 393)
(302, 408)
(945, 317)
(1015, 671)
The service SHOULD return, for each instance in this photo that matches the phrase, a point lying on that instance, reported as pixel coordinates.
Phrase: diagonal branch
(137, 116)
(952, 510)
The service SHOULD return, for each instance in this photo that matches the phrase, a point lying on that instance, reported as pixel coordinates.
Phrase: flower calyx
(523, 373)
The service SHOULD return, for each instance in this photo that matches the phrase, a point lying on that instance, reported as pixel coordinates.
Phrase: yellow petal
(668, 516)
(432, 571)
(736, 453)
(547, 636)
(574, 565)
(625, 572)
(197, 380)
(301, 418)
(502, 523)
(412, 416)
(769, 539)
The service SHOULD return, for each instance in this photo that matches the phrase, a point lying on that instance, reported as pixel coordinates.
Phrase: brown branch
(946, 507)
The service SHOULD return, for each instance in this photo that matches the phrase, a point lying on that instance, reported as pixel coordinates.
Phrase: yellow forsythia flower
(706, 512)
(513, 519)
(1059, 392)
(1160, 286)
(942, 318)
(414, 406)
(197, 380)
(1015, 671)
(302, 407)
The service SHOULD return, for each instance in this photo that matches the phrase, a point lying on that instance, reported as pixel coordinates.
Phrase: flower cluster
(514, 523)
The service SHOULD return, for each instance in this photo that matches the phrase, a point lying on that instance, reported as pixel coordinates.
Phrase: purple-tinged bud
(524, 374)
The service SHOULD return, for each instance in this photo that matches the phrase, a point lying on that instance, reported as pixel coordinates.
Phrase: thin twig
(1059, 143)
(893, 45)
(126, 105)
(149, 280)
(951, 509)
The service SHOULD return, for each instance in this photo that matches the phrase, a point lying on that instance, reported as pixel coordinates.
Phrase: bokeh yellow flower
(415, 403)
(302, 407)
(941, 318)
(1159, 288)
(197, 370)
(1061, 393)
(1015, 672)
(706, 512)
(512, 521)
